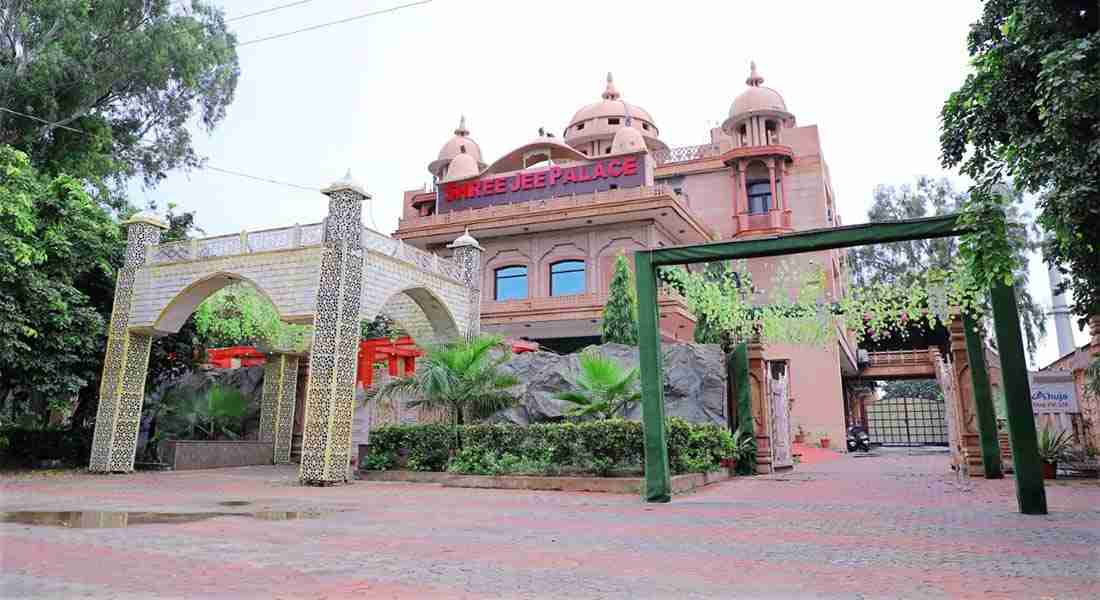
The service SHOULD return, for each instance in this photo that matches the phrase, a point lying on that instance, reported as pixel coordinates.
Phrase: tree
(461, 377)
(117, 81)
(380, 327)
(239, 315)
(1030, 114)
(908, 263)
(620, 314)
(605, 388)
(54, 239)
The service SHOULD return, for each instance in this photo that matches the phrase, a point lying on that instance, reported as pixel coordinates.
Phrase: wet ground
(893, 525)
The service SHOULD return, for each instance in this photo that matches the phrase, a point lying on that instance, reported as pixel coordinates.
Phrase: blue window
(760, 197)
(511, 283)
(566, 278)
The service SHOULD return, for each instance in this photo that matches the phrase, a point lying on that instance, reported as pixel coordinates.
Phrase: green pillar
(658, 486)
(1030, 494)
(983, 399)
(740, 358)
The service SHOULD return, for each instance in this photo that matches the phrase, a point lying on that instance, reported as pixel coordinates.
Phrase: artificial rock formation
(695, 383)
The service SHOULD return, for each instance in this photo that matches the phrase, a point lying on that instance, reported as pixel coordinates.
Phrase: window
(613, 121)
(645, 126)
(511, 283)
(760, 197)
(567, 277)
(580, 126)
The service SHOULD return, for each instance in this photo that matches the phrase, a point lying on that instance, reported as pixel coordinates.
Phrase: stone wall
(184, 455)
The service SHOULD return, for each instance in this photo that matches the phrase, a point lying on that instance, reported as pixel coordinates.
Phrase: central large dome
(593, 127)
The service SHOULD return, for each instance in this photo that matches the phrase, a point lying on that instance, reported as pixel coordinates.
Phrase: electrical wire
(267, 10)
(330, 23)
(203, 167)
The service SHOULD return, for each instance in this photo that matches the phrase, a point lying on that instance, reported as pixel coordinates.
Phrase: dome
(462, 166)
(757, 97)
(610, 106)
(627, 139)
(460, 143)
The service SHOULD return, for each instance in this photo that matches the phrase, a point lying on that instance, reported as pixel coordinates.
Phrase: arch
(184, 303)
(420, 312)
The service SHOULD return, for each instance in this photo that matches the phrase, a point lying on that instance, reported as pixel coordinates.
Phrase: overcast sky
(380, 95)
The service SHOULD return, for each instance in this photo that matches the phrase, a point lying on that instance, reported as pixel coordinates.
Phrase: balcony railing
(297, 236)
(511, 211)
(771, 220)
(686, 153)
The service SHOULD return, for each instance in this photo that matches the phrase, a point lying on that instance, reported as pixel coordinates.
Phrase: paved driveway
(891, 526)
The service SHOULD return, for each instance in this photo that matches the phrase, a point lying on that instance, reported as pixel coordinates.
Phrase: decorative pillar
(761, 410)
(771, 180)
(744, 208)
(467, 253)
(277, 406)
(122, 386)
(330, 394)
(658, 484)
(967, 426)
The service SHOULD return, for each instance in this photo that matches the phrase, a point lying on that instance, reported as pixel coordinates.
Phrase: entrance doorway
(908, 422)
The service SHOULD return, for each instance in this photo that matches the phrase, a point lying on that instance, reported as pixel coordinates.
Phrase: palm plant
(606, 389)
(1053, 446)
(216, 414)
(462, 378)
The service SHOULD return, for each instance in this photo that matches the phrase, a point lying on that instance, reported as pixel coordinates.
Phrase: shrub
(27, 446)
(599, 447)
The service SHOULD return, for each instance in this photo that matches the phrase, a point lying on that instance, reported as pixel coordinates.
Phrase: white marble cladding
(288, 278)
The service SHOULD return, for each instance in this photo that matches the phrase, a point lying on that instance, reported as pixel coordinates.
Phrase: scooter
(858, 439)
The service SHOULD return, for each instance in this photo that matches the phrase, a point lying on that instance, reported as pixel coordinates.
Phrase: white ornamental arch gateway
(332, 274)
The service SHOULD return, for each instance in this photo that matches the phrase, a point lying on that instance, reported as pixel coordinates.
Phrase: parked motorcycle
(858, 439)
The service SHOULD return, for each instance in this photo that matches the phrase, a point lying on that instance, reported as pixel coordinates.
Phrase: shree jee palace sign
(523, 186)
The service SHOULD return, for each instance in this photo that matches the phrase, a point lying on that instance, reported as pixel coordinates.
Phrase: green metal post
(658, 486)
(1030, 494)
(983, 399)
(741, 385)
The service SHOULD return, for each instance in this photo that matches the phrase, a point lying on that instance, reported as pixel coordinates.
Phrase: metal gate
(907, 422)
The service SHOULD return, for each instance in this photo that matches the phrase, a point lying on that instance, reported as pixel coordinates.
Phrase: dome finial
(755, 79)
(610, 93)
(462, 131)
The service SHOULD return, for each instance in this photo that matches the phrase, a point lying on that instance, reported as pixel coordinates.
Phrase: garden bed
(681, 484)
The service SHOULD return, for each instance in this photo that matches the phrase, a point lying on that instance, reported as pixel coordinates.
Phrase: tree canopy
(118, 82)
(620, 314)
(56, 244)
(1029, 115)
(908, 263)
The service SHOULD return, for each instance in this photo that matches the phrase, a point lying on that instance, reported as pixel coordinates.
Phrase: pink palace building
(553, 213)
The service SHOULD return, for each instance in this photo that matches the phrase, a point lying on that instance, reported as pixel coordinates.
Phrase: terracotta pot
(824, 442)
(1050, 470)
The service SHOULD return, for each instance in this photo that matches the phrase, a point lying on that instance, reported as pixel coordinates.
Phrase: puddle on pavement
(103, 519)
(234, 503)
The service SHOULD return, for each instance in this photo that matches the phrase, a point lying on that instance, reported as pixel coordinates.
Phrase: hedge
(29, 446)
(599, 447)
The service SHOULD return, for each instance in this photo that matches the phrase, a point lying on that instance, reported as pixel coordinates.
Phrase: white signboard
(1053, 392)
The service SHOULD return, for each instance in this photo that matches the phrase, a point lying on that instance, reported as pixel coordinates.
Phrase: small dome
(465, 240)
(463, 166)
(757, 97)
(460, 143)
(627, 139)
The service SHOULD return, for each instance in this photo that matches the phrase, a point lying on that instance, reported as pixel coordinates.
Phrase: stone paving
(889, 526)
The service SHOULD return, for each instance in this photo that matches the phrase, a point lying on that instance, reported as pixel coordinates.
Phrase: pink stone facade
(760, 174)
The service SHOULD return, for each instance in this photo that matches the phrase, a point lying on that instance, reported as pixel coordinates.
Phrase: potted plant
(823, 439)
(1052, 447)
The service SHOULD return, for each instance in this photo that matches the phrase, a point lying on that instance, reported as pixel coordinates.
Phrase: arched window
(760, 196)
(510, 283)
(567, 277)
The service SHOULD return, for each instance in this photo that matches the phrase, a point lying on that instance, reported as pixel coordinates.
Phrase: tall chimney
(1062, 324)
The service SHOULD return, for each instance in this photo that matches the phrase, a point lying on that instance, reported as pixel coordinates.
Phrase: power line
(330, 23)
(205, 167)
(267, 10)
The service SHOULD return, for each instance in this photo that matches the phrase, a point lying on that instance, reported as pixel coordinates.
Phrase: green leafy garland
(797, 307)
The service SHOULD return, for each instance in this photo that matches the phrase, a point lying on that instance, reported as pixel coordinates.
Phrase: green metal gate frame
(1030, 493)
